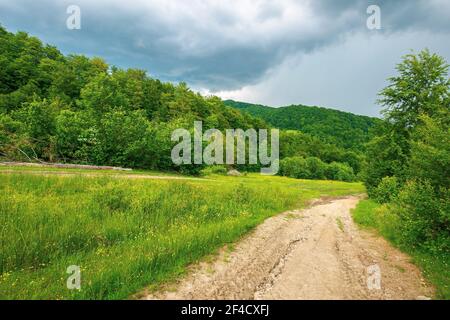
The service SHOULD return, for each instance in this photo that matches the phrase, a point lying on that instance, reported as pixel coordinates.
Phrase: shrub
(316, 167)
(386, 190)
(424, 216)
(339, 171)
(295, 167)
(430, 152)
(385, 157)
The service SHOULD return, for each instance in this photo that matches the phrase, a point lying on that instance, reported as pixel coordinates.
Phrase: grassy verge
(126, 234)
(436, 268)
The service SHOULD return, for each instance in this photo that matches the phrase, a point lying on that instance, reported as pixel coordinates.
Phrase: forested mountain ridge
(342, 128)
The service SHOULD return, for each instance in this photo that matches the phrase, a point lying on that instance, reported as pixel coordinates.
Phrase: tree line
(82, 110)
(75, 109)
(343, 129)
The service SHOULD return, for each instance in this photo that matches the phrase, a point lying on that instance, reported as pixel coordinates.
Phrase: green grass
(436, 268)
(364, 214)
(18, 168)
(127, 234)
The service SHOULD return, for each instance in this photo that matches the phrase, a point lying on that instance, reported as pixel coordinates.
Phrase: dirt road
(316, 253)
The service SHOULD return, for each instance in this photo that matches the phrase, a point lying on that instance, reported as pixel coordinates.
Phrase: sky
(277, 53)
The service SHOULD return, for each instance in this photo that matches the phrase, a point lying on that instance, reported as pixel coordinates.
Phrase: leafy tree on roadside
(420, 88)
(408, 161)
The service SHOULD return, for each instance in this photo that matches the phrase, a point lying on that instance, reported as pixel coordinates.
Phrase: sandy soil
(316, 253)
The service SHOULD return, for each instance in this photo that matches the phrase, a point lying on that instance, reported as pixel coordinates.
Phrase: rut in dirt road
(316, 253)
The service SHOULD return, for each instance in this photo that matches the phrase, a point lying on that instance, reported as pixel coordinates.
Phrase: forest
(81, 110)
(343, 129)
(75, 109)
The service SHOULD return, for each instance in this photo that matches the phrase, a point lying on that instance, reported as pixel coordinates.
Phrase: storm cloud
(229, 46)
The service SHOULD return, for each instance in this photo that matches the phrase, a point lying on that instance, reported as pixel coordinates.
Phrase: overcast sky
(283, 52)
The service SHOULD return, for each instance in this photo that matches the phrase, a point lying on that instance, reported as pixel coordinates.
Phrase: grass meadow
(436, 268)
(128, 234)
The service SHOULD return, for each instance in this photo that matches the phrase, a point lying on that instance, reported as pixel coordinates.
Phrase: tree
(39, 119)
(295, 167)
(385, 157)
(422, 87)
(430, 153)
(74, 136)
(339, 171)
(408, 160)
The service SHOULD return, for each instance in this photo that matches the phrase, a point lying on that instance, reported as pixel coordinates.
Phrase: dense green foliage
(335, 127)
(78, 109)
(409, 159)
(128, 233)
(311, 132)
(298, 144)
(314, 168)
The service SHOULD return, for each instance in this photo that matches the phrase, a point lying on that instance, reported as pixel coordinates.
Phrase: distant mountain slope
(342, 128)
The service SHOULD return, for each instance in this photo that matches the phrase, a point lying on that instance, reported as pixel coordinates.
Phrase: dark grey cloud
(346, 76)
(218, 45)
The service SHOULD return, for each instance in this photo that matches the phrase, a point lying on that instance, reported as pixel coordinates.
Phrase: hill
(341, 128)
(76, 109)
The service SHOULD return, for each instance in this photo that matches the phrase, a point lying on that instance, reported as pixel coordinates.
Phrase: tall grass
(126, 234)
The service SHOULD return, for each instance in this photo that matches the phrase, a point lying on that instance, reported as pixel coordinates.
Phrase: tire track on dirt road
(316, 253)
